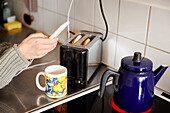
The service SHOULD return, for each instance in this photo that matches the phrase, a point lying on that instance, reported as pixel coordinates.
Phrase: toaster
(81, 55)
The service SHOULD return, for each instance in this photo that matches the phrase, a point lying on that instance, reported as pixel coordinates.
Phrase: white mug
(55, 81)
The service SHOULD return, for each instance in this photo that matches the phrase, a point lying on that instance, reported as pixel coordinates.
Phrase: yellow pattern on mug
(56, 86)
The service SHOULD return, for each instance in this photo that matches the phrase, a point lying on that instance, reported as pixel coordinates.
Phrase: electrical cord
(106, 25)
(68, 31)
(29, 67)
(41, 64)
(20, 71)
(72, 32)
(36, 65)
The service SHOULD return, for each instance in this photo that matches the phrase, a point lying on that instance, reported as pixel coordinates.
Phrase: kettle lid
(136, 63)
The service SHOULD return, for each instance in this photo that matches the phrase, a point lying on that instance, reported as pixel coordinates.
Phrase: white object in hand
(59, 30)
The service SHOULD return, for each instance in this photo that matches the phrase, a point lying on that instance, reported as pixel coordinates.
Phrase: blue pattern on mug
(56, 86)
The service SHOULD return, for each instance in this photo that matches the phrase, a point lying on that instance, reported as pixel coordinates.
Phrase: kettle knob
(137, 57)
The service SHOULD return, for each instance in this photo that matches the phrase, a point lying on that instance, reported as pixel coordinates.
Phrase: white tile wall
(110, 8)
(61, 19)
(63, 7)
(81, 26)
(132, 28)
(38, 22)
(159, 29)
(109, 48)
(84, 11)
(40, 3)
(50, 5)
(63, 36)
(133, 20)
(160, 58)
(19, 9)
(126, 47)
(50, 22)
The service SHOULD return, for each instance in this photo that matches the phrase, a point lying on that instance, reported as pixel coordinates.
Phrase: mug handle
(37, 81)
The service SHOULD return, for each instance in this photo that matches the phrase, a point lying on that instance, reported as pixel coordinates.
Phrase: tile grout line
(93, 17)
(117, 33)
(42, 15)
(138, 42)
(162, 90)
(74, 19)
(74, 5)
(131, 39)
(158, 49)
(56, 12)
(117, 29)
(66, 16)
(147, 33)
(118, 18)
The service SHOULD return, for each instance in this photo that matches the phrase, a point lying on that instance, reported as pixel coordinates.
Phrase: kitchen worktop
(22, 95)
(15, 36)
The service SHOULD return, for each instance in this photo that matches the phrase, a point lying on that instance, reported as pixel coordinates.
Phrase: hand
(36, 45)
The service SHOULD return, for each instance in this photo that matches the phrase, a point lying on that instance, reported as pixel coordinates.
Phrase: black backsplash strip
(166, 95)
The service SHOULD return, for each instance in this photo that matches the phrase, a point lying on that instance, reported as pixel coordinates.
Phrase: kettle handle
(104, 79)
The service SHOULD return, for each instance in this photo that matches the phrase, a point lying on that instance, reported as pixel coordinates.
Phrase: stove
(91, 103)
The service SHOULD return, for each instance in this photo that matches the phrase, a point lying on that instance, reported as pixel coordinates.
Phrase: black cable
(101, 8)
(72, 32)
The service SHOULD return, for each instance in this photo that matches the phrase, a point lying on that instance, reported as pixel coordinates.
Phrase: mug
(55, 81)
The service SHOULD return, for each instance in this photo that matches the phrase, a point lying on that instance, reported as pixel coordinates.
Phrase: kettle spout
(159, 72)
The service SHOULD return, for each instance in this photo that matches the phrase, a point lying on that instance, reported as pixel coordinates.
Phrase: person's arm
(11, 61)
(15, 58)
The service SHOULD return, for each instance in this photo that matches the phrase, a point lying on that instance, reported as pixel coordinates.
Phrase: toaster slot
(87, 40)
(76, 38)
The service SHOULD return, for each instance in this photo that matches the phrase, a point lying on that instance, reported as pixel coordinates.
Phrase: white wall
(132, 27)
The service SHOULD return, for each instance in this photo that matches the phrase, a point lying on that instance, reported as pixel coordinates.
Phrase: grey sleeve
(11, 61)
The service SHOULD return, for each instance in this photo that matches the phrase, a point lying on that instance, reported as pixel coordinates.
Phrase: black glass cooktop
(91, 103)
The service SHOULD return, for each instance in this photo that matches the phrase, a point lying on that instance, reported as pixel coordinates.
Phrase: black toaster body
(81, 56)
(76, 62)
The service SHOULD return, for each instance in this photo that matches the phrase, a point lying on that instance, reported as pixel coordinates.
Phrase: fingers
(40, 33)
(43, 52)
(37, 34)
(48, 47)
(43, 36)
(47, 41)
(37, 45)
(46, 44)
(47, 35)
(52, 41)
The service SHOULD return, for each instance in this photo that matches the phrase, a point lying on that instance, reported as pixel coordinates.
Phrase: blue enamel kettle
(133, 84)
